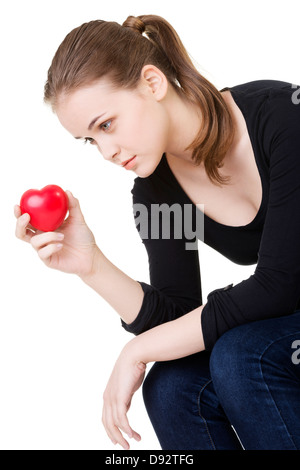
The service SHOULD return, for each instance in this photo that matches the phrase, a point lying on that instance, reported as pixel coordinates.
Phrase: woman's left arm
(175, 339)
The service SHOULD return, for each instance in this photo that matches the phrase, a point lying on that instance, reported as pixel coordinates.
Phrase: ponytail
(216, 132)
(101, 48)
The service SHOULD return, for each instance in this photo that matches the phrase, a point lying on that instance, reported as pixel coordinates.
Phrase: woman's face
(121, 123)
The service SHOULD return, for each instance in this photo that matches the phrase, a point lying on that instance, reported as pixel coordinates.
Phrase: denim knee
(231, 362)
(238, 359)
(162, 390)
(239, 352)
(257, 382)
(183, 408)
(175, 385)
(152, 390)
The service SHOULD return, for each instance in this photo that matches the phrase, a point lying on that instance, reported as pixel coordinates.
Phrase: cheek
(152, 130)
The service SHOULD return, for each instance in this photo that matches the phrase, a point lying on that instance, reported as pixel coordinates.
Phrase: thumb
(74, 207)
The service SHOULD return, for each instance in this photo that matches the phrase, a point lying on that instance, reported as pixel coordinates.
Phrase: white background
(58, 339)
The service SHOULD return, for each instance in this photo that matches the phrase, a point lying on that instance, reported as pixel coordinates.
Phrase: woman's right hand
(71, 248)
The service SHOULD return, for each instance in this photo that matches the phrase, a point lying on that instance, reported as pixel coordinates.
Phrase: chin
(143, 171)
(143, 174)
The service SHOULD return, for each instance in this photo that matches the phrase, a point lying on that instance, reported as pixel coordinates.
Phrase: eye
(89, 140)
(106, 125)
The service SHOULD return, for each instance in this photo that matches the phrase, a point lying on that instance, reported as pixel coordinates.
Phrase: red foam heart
(47, 207)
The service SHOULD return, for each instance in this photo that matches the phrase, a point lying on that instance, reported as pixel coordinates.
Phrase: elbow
(280, 297)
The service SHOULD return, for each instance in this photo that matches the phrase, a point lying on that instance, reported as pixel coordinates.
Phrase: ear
(155, 81)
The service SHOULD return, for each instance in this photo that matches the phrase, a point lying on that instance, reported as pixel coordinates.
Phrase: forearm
(172, 340)
(124, 294)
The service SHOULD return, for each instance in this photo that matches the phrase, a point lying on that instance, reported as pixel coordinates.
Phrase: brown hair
(104, 48)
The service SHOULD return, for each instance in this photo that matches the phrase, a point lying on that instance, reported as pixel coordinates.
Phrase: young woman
(230, 367)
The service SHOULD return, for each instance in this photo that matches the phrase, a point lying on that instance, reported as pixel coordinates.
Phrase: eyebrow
(92, 123)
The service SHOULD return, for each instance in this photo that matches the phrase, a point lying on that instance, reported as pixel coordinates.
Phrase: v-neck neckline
(206, 217)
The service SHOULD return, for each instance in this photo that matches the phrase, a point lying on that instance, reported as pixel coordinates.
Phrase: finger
(44, 239)
(22, 228)
(130, 433)
(121, 420)
(120, 438)
(136, 436)
(113, 431)
(49, 250)
(104, 422)
(127, 429)
(17, 211)
(74, 208)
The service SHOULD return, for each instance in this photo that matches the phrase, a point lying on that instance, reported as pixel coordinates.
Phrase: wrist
(168, 341)
(96, 263)
(134, 351)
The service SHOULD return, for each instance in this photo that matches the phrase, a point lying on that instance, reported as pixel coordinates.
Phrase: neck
(185, 120)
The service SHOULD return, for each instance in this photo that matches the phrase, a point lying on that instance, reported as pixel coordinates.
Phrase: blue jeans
(244, 395)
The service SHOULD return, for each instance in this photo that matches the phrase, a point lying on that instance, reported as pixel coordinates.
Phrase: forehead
(76, 109)
(85, 96)
(80, 106)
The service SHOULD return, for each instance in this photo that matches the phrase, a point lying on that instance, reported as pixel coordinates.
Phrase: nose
(108, 151)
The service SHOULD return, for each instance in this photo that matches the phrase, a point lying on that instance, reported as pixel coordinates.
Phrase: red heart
(47, 207)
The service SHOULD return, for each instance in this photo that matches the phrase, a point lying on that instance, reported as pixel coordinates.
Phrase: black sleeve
(274, 288)
(175, 284)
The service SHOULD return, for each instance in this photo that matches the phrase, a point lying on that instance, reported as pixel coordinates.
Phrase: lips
(127, 161)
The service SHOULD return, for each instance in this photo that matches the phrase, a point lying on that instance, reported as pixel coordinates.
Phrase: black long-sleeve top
(271, 240)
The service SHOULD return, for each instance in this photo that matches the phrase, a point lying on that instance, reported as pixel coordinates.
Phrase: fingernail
(25, 217)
